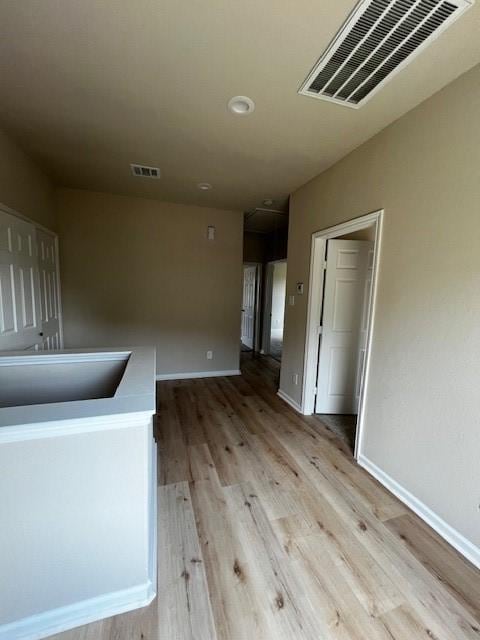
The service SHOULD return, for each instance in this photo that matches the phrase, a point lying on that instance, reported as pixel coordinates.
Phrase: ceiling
(264, 221)
(89, 87)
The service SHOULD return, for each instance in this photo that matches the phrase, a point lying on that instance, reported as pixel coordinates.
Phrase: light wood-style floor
(269, 531)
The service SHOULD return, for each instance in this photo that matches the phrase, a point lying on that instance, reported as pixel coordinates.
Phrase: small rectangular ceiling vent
(378, 39)
(141, 171)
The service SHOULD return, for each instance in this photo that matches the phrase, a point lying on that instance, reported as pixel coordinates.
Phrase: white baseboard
(64, 618)
(448, 533)
(198, 374)
(289, 400)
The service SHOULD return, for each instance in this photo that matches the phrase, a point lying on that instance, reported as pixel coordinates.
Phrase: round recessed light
(204, 186)
(268, 202)
(241, 105)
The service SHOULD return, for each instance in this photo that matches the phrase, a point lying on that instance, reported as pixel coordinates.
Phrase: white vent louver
(378, 39)
(141, 171)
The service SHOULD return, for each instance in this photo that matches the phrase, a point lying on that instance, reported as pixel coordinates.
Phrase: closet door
(20, 321)
(49, 294)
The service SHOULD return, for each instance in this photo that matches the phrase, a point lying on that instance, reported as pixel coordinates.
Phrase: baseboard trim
(448, 533)
(55, 621)
(198, 374)
(286, 398)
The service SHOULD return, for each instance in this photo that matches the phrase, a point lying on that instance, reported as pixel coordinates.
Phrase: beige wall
(137, 271)
(422, 414)
(23, 187)
(254, 247)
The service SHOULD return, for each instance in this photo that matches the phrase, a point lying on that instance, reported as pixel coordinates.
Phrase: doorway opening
(274, 308)
(264, 266)
(251, 306)
(340, 325)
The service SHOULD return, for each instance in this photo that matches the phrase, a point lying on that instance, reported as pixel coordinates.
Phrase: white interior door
(362, 342)
(344, 297)
(267, 310)
(49, 294)
(20, 321)
(248, 307)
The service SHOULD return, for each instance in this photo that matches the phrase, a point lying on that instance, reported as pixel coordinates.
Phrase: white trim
(286, 398)
(68, 427)
(74, 615)
(314, 305)
(198, 374)
(68, 357)
(152, 509)
(314, 310)
(448, 533)
(362, 404)
(349, 226)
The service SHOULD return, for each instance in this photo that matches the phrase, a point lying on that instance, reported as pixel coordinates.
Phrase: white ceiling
(89, 87)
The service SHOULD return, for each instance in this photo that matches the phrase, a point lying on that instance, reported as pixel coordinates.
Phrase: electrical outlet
(291, 301)
(295, 378)
(209, 355)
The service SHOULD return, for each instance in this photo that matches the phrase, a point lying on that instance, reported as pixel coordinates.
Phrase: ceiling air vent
(141, 171)
(378, 39)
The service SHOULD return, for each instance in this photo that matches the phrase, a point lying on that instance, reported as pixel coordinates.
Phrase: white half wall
(78, 517)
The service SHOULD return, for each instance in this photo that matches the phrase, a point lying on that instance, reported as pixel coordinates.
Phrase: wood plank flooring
(268, 530)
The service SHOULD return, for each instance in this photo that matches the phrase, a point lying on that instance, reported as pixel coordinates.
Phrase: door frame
(37, 225)
(267, 305)
(258, 291)
(314, 308)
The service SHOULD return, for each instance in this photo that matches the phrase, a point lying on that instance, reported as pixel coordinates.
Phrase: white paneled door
(362, 341)
(21, 325)
(343, 335)
(248, 308)
(49, 294)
